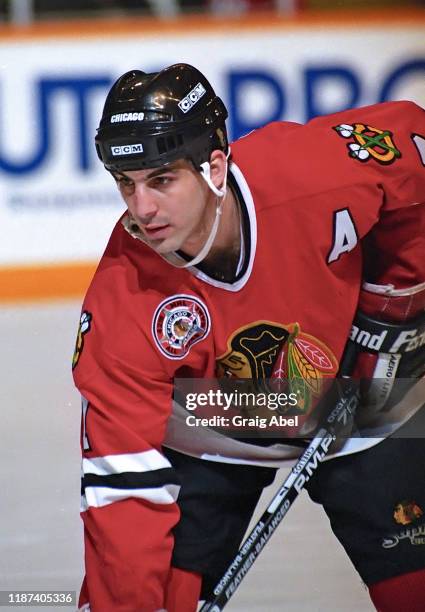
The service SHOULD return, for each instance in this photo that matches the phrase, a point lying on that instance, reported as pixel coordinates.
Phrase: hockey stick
(300, 474)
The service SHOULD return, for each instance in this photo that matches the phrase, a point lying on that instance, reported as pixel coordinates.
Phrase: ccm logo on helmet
(127, 117)
(129, 149)
(192, 97)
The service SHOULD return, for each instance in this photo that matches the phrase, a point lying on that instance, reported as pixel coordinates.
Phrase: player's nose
(145, 206)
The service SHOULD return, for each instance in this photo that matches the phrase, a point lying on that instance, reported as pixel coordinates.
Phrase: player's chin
(167, 245)
(175, 240)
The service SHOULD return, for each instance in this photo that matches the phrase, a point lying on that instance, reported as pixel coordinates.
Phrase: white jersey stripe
(129, 462)
(97, 497)
(83, 504)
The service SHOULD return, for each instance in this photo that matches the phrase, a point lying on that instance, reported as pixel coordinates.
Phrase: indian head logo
(180, 322)
(406, 512)
(369, 143)
(83, 328)
(291, 360)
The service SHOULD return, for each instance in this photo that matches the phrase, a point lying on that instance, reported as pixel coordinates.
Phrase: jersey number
(84, 407)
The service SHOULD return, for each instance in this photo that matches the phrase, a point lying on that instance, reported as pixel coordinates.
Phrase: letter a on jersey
(344, 235)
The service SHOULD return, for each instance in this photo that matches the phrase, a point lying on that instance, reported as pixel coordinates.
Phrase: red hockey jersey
(312, 194)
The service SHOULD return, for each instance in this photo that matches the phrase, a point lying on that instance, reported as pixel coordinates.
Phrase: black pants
(375, 501)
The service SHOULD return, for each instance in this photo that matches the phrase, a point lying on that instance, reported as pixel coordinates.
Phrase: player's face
(172, 206)
(400, 516)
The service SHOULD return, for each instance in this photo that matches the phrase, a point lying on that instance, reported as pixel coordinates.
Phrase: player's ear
(218, 163)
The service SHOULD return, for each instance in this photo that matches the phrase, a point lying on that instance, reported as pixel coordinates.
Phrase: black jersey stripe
(132, 480)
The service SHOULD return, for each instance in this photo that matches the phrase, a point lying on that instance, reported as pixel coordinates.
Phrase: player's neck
(223, 258)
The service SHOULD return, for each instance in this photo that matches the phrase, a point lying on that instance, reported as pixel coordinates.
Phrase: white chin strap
(220, 193)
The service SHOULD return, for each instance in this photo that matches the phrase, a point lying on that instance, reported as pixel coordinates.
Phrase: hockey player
(249, 263)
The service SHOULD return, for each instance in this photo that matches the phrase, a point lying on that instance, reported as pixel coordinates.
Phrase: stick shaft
(300, 474)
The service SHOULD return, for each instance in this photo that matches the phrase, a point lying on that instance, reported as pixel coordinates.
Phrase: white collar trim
(249, 202)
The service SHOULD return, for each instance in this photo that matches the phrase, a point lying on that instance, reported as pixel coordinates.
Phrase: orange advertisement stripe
(87, 28)
(18, 284)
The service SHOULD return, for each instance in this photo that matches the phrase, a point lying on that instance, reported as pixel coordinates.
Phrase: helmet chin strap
(220, 193)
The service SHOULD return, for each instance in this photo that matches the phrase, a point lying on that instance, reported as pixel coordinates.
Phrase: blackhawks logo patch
(368, 142)
(83, 328)
(291, 360)
(406, 512)
(180, 322)
(409, 515)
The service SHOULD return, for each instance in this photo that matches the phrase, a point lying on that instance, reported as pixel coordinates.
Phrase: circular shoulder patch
(180, 322)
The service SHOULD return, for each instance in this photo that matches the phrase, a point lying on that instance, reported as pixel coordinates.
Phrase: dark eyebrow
(117, 174)
(155, 172)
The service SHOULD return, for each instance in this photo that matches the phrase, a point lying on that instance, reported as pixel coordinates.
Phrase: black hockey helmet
(153, 119)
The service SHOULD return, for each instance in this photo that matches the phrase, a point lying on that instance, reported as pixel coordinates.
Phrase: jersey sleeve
(129, 489)
(385, 143)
